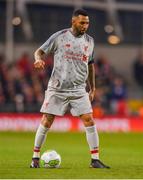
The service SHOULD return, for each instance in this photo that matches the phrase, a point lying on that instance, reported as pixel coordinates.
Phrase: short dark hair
(78, 12)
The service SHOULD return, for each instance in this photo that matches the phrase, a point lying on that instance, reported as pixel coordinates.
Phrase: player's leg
(54, 104)
(81, 106)
(46, 122)
(91, 135)
(93, 140)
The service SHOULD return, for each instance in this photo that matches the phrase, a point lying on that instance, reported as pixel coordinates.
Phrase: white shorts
(58, 102)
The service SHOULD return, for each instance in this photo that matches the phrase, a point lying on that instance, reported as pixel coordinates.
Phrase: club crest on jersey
(67, 45)
(85, 48)
(84, 58)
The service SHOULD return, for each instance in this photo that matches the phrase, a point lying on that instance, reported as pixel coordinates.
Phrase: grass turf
(123, 152)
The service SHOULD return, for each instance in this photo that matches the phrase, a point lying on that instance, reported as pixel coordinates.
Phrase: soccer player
(73, 52)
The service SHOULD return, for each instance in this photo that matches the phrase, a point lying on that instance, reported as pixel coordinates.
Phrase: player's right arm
(47, 48)
(39, 59)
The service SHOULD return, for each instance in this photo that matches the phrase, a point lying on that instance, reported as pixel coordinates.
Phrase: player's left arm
(91, 75)
(91, 81)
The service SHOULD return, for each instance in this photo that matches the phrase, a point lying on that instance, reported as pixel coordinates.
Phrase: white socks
(93, 141)
(91, 136)
(39, 140)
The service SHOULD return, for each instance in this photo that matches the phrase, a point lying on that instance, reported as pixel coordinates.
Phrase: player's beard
(80, 32)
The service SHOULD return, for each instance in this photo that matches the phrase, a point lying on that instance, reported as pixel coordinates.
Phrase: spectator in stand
(103, 70)
(2, 97)
(138, 69)
(118, 96)
(3, 79)
(25, 65)
(38, 90)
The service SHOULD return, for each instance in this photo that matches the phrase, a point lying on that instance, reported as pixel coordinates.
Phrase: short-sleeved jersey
(71, 58)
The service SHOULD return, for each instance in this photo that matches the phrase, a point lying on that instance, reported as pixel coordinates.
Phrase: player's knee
(47, 120)
(87, 119)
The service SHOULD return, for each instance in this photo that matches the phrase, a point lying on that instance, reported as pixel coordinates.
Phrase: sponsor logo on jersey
(76, 56)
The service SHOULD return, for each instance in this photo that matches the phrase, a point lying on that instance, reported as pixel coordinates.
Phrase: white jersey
(71, 58)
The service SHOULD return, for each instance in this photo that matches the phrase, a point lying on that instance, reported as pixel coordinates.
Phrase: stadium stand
(21, 88)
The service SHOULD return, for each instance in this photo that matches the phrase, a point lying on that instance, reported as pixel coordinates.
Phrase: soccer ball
(50, 159)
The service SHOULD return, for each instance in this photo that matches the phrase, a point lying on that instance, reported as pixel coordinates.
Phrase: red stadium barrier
(29, 122)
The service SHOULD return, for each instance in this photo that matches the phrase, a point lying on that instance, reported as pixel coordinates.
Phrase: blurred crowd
(111, 92)
(22, 87)
(138, 69)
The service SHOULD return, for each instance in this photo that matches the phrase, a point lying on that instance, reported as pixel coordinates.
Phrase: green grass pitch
(123, 152)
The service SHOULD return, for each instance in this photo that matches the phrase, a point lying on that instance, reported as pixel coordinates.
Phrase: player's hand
(92, 94)
(39, 64)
